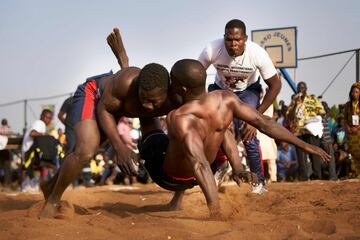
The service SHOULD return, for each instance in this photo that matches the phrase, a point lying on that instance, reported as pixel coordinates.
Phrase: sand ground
(304, 210)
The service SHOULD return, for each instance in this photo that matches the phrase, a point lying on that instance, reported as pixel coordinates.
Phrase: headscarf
(357, 85)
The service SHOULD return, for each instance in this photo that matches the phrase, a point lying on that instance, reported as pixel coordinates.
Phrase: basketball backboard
(280, 43)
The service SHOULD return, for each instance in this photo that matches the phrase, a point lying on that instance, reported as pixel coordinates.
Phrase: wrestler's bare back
(209, 118)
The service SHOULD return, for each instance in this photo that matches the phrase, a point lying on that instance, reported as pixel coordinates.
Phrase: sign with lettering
(280, 43)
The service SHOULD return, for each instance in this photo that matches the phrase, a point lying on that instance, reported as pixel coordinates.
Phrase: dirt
(303, 210)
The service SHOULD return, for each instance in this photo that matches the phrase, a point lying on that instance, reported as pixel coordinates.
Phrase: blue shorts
(86, 98)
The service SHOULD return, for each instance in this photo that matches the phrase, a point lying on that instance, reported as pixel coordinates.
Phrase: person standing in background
(239, 63)
(352, 115)
(268, 147)
(305, 115)
(65, 116)
(5, 155)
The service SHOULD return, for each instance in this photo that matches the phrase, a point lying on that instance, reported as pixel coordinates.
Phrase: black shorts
(153, 151)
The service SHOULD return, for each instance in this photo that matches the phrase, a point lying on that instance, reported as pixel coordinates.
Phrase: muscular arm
(194, 152)
(184, 130)
(274, 84)
(269, 127)
(249, 132)
(108, 124)
(229, 147)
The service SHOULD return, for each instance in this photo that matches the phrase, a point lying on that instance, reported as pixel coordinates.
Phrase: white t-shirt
(38, 126)
(237, 73)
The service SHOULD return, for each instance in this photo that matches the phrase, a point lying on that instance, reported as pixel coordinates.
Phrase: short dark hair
(189, 73)
(153, 75)
(45, 111)
(301, 83)
(236, 23)
(355, 85)
(4, 122)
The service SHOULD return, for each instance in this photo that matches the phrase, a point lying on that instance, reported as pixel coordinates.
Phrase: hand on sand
(245, 176)
(117, 46)
(127, 161)
(318, 151)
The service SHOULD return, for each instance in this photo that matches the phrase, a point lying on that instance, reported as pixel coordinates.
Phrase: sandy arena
(306, 210)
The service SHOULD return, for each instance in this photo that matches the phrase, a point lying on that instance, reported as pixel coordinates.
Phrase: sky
(47, 48)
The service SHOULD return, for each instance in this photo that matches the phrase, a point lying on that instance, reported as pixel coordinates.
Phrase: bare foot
(215, 213)
(171, 206)
(64, 210)
(175, 203)
(216, 216)
(117, 46)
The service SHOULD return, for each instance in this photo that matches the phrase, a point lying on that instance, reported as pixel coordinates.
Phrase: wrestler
(97, 105)
(196, 131)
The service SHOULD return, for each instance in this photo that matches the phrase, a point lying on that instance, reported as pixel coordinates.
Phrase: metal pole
(25, 116)
(287, 77)
(357, 65)
(327, 55)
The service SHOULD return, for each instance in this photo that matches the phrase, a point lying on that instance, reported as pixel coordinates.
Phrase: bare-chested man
(196, 131)
(98, 104)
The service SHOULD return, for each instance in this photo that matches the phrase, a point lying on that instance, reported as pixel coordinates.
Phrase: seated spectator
(5, 129)
(328, 170)
(343, 161)
(61, 137)
(281, 116)
(339, 133)
(5, 167)
(287, 164)
(97, 167)
(111, 170)
(331, 120)
(281, 105)
(5, 155)
(38, 129)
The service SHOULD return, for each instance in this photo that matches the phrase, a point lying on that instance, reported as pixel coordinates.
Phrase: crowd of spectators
(335, 129)
(42, 149)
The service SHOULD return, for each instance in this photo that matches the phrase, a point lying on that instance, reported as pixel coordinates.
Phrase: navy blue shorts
(153, 151)
(86, 98)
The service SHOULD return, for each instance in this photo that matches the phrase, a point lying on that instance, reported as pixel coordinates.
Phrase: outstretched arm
(194, 151)
(274, 85)
(117, 46)
(269, 127)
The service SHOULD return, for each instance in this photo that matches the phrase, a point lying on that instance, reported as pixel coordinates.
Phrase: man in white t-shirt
(37, 129)
(239, 64)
